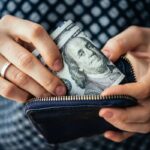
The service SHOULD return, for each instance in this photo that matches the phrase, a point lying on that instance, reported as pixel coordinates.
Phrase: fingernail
(103, 94)
(107, 53)
(107, 135)
(60, 90)
(107, 115)
(58, 65)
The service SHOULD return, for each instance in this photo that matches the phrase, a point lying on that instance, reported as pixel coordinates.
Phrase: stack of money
(86, 70)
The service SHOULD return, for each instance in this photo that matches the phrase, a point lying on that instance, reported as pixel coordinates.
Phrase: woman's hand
(135, 43)
(26, 76)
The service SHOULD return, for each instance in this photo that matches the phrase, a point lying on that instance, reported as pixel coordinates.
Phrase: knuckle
(7, 90)
(120, 43)
(117, 43)
(134, 28)
(6, 18)
(25, 60)
(51, 84)
(21, 78)
(137, 31)
(37, 30)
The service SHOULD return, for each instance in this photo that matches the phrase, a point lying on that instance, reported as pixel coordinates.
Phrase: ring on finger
(4, 69)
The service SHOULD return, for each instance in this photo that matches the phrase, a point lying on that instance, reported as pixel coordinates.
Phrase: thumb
(128, 40)
(137, 90)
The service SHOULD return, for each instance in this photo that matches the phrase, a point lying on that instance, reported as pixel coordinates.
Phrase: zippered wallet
(64, 118)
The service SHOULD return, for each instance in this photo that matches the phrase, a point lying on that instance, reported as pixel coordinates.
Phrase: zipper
(85, 97)
(79, 101)
(80, 98)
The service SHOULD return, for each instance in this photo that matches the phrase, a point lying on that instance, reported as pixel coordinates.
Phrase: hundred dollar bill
(86, 70)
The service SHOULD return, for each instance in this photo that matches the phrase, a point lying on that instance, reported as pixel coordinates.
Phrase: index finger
(34, 33)
(28, 64)
(139, 90)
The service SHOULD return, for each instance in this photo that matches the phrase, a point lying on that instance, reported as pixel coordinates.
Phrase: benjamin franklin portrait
(88, 68)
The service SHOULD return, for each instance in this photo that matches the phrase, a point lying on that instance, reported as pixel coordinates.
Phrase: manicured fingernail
(60, 90)
(58, 65)
(107, 115)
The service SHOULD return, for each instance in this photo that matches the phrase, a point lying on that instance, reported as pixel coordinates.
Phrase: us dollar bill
(86, 70)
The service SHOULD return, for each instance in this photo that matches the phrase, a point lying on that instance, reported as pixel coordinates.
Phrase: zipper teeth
(131, 70)
(77, 97)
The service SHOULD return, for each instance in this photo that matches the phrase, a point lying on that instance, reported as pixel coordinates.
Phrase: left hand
(135, 43)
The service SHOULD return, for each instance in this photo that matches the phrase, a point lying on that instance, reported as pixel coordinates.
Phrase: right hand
(26, 76)
(135, 43)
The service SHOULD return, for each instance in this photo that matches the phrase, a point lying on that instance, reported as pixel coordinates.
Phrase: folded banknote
(86, 70)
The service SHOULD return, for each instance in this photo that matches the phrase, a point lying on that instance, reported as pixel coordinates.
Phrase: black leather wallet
(65, 118)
